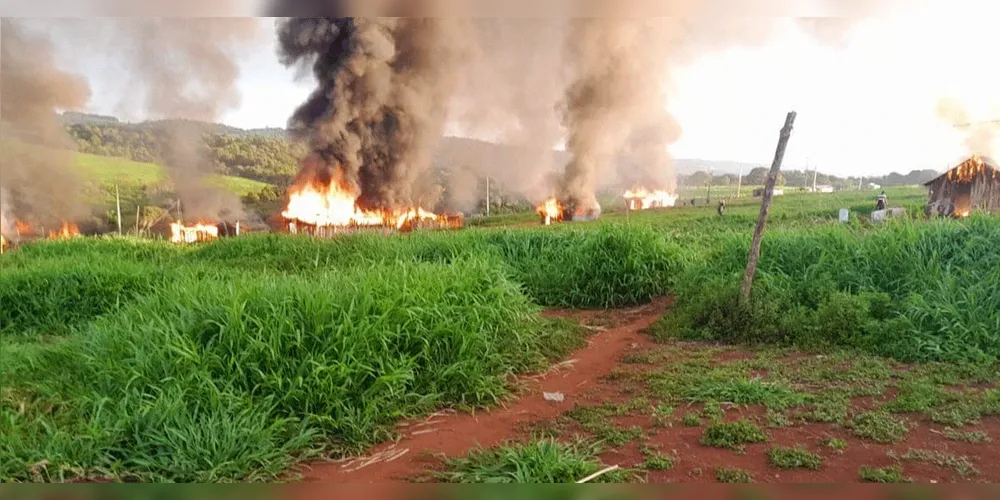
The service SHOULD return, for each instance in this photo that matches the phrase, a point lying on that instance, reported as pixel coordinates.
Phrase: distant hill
(265, 154)
(451, 150)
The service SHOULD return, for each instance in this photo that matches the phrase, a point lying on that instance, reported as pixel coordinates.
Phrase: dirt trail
(454, 434)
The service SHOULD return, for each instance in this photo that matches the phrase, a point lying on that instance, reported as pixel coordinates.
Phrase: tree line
(264, 157)
(804, 179)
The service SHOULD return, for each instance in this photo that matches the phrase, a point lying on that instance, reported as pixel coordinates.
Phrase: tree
(756, 177)
(699, 178)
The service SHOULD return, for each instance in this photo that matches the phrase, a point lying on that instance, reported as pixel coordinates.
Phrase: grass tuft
(794, 458)
(733, 435)
(543, 461)
(880, 427)
(892, 474)
(732, 475)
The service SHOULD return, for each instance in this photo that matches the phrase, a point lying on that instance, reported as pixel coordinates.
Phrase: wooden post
(138, 212)
(118, 203)
(765, 205)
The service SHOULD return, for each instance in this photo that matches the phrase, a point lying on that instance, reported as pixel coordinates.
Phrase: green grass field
(109, 171)
(126, 359)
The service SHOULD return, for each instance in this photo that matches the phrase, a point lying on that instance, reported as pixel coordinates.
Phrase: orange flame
(643, 199)
(22, 228)
(335, 205)
(550, 210)
(68, 230)
(179, 233)
(3, 243)
(968, 170)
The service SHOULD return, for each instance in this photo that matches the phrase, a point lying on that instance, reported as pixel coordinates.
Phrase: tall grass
(607, 267)
(212, 380)
(916, 291)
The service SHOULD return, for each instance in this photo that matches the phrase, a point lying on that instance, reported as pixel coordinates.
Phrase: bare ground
(641, 399)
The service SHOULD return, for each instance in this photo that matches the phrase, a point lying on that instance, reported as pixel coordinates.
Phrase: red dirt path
(454, 434)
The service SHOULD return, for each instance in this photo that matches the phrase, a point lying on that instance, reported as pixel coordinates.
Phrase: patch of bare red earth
(455, 434)
(584, 379)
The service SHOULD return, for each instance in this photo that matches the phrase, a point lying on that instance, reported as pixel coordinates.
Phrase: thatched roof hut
(973, 185)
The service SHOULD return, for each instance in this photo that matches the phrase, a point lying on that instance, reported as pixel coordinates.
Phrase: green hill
(108, 171)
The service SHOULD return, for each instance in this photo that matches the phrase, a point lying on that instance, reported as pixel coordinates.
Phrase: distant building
(872, 185)
(973, 185)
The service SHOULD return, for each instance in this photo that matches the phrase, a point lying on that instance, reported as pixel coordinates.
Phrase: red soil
(584, 380)
(454, 434)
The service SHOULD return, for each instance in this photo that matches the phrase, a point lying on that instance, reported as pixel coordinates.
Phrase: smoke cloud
(980, 137)
(6, 215)
(185, 69)
(182, 71)
(617, 94)
(38, 184)
(618, 102)
(381, 103)
(508, 95)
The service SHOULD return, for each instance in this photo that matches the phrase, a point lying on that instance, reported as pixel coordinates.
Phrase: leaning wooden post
(765, 204)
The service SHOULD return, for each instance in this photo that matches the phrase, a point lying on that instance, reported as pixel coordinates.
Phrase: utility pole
(118, 202)
(739, 183)
(710, 179)
(487, 196)
(815, 173)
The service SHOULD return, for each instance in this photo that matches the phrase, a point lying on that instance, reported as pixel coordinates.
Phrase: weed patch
(733, 435)
(883, 475)
(961, 465)
(543, 461)
(794, 458)
(732, 475)
(975, 437)
(879, 426)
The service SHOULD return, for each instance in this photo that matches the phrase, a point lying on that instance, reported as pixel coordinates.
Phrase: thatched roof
(968, 165)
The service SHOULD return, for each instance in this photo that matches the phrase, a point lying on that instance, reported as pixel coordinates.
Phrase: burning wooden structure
(329, 209)
(24, 231)
(973, 185)
(643, 199)
(553, 210)
(201, 232)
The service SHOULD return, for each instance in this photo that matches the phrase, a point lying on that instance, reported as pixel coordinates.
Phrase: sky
(865, 107)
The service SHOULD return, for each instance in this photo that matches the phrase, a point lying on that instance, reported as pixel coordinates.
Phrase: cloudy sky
(866, 106)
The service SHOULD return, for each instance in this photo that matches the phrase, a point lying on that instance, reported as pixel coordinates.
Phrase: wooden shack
(973, 185)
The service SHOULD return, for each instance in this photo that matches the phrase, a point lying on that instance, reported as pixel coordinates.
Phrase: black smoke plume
(381, 103)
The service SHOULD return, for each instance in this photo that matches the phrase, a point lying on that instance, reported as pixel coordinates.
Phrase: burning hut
(327, 207)
(553, 210)
(202, 232)
(972, 185)
(643, 199)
